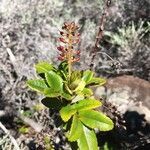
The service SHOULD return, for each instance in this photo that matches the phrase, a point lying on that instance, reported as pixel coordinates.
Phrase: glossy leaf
(73, 85)
(63, 67)
(78, 98)
(76, 129)
(52, 103)
(43, 67)
(49, 92)
(63, 70)
(62, 74)
(80, 86)
(66, 113)
(95, 119)
(66, 93)
(69, 110)
(37, 85)
(86, 104)
(87, 76)
(67, 89)
(87, 92)
(87, 140)
(67, 96)
(97, 81)
(54, 81)
(75, 75)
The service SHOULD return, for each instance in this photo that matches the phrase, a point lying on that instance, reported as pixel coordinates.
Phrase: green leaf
(87, 76)
(66, 113)
(75, 75)
(86, 104)
(52, 103)
(80, 86)
(54, 81)
(63, 68)
(73, 85)
(67, 89)
(37, 85)
(62, 74)
(76, 129)
(49, 92)
(94, 119)
(87, 140)
(97, 81)
(78, 98)
(43, 67)
(69, 110)
(66, 96)
(66, 93)
(87, 92)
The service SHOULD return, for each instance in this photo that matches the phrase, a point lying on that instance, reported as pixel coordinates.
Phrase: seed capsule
(60, 48)
(60, 58)
(63, 40)
(78, 52)
(61, 32)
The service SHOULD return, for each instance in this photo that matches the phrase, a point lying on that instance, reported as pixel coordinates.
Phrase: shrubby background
(28, 33)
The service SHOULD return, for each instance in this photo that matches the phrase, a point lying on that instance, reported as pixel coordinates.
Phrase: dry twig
(11, 137)
(100, 32)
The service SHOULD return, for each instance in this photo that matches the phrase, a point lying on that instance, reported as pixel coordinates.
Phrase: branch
(11, 138)
(100, 32)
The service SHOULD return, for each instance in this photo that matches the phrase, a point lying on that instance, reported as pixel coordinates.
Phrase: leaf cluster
(74, 100)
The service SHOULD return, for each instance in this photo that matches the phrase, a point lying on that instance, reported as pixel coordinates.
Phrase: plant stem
(69, 55)
(100, 32)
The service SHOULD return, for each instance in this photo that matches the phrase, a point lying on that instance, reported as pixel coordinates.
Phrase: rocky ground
(129, 98)
(28, 34)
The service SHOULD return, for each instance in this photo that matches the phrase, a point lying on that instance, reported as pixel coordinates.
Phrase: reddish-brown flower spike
(61, 32)
(61, 58)
(63, 40)
(69, 36)
(78, 52)
(77, 35)
(72, 26)
(62, 55)
(75, 41)
(61, 48)
(65, 26)
(75, 59)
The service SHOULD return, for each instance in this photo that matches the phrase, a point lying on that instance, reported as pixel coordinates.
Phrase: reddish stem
(100, 32)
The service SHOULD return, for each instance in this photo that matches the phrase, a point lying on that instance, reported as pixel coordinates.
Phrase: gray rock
(127, 93)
